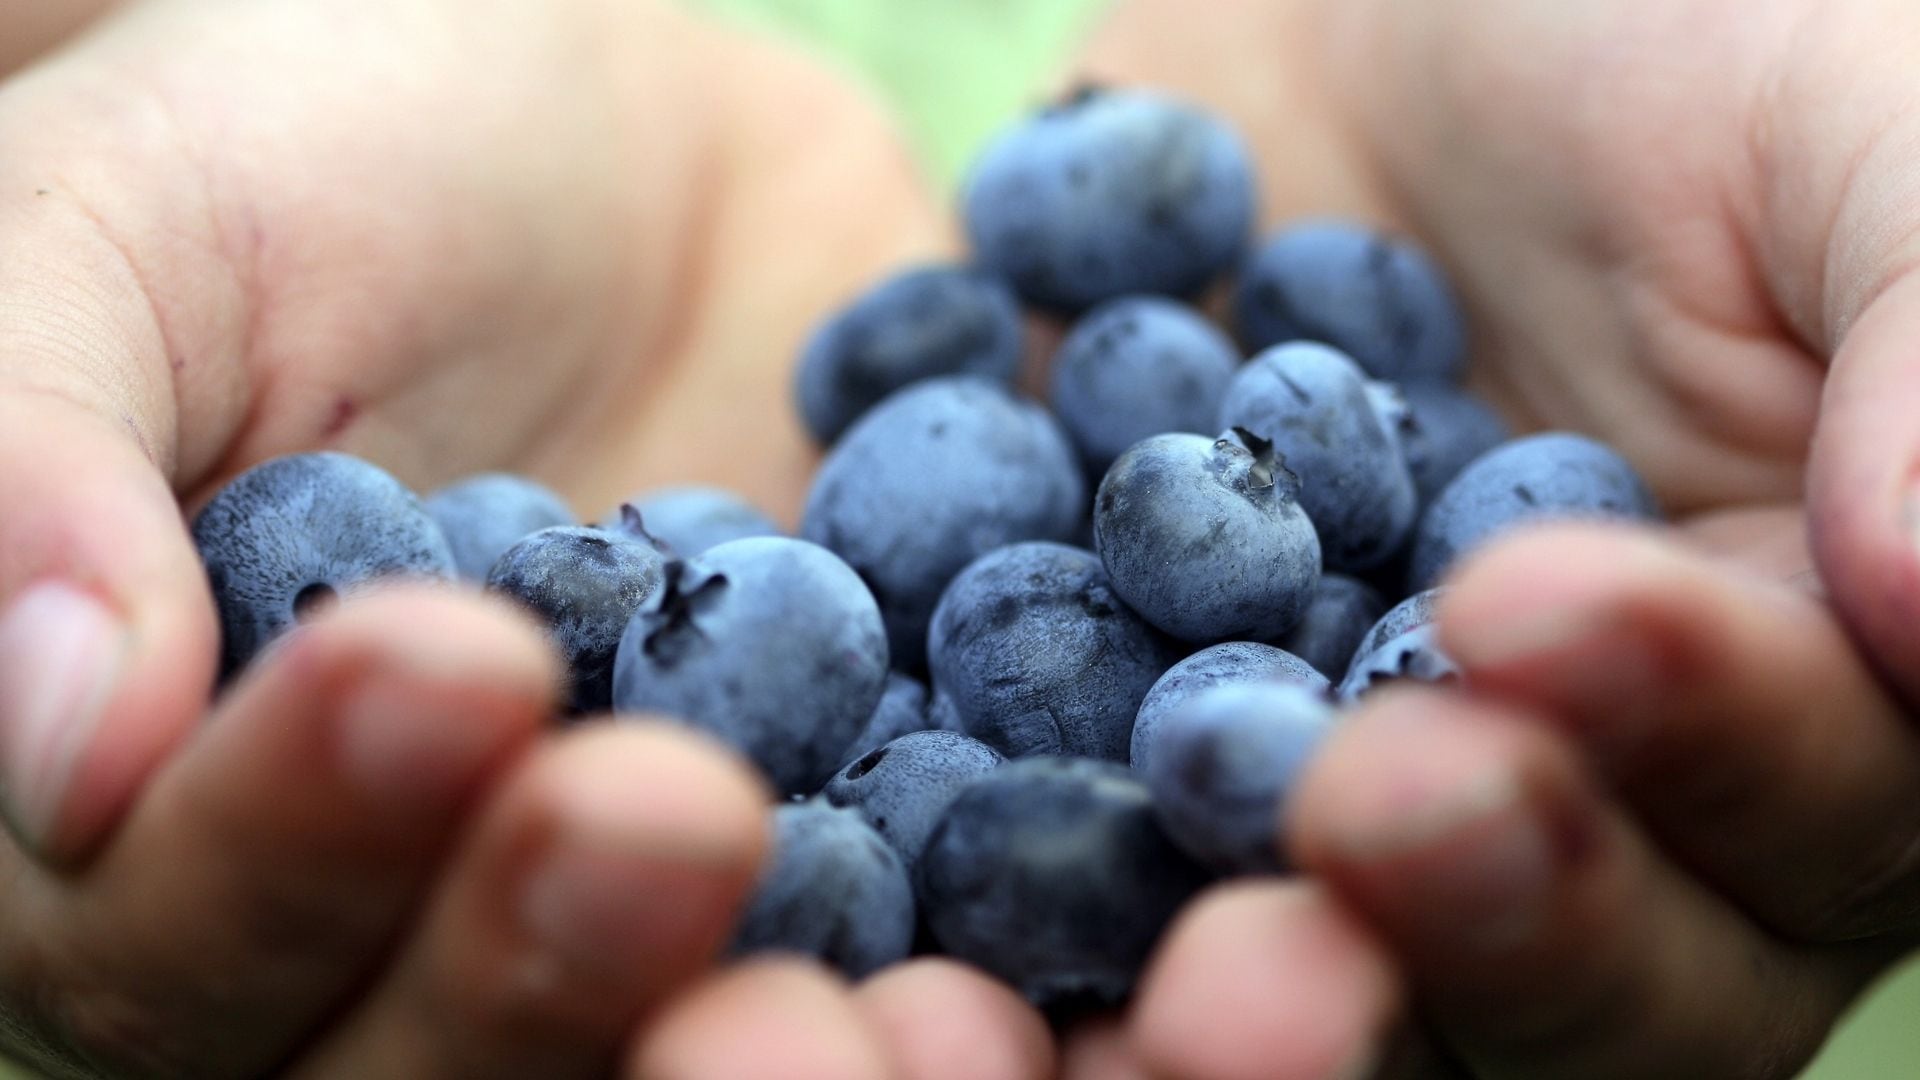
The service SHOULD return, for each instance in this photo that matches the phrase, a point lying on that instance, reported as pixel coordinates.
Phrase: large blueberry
(1228, 664)
(1137, 367)
(1445, 429)
(920, 324)
(689, 520)
(1315, 406)
(585, 584)
(1538, 478)
(832, 890)
(931, 479)
(298, 531)
(1376, 298)
(1107, 193)
(904, 787)
(1053, 874)
(1404, 646)
(485, 515)
(1040, 656)
(1224, 765)
(1342, 611)
(773, 645)
(1206, 539)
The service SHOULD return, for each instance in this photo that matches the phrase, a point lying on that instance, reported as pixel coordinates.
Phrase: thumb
(1864, 482)
(107, 639)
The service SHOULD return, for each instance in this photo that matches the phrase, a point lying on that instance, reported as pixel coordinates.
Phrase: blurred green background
(956, 69)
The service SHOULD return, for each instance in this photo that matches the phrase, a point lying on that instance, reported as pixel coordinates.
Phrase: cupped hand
(558, 238)
(1688, 228)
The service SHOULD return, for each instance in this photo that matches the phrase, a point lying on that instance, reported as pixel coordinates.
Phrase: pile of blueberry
(1017, 726)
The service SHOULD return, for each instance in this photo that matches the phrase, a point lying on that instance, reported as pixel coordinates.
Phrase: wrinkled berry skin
(1109, 193)
(1403, 646)
(584, 584)
(1414, 656)
(689, 520)
(931, 479)
(1206, 538)
(902, 710)
(1135, 368)
(307, 528)
(482, 516)
(1342, 611)
(1040, 656)
(1537, 478)
(1053, 875)
(1315, 406)
(770, 644)
(904, 787)
(921, 324)
(1224, 766)
(1378, 299)
(832, 890)
(1228, 664)
(1446, 429)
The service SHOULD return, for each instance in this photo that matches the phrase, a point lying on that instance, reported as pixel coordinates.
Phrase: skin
(1684, 227)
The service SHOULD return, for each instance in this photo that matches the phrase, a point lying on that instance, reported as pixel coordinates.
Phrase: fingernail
(618, 888)
(1497, 643)
(61, 655)
(399, 745)
(1469, 857)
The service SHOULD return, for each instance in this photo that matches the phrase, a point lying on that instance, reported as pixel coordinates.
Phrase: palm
(559, 288)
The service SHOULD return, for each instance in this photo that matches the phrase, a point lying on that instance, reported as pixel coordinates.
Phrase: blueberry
(1378, 299)
(585, 584)
(1206, 539)
(929, 480)
(942, 713)
(1137, 367)
(1040, 656)
(1109, 193)
(1342, 611)
(1403, 646)
(1223, 768)
(920, 324)
(1537, 478)
(773, 645)
(1053, 875)
(833, 890)
(1229, 664)
(296, 532)
(689, 520)
(1315, 406)
(1446, 429)
(485, 515)
(902, 710)
(903, 788)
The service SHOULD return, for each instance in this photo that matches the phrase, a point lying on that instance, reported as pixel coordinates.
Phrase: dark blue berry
(291, 535)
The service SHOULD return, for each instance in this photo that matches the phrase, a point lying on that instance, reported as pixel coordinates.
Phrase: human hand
(444, 237)
(1688, 229)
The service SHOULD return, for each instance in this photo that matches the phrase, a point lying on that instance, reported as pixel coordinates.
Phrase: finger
(1101, 1050)
(1863, 484)
(271, 863)
(1729, 712)
(941, 1020)
(1546, 936)
(107, 638)
(601, 879)
(762, 1020)
(1266, 981)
